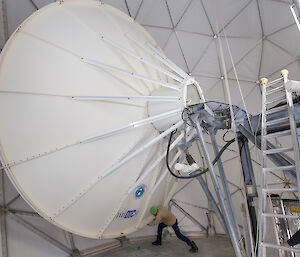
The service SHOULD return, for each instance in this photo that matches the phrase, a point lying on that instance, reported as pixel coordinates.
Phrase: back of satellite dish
(87, 98)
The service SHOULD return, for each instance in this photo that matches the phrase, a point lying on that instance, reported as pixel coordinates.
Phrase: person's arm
(295, 239)
(155, 221)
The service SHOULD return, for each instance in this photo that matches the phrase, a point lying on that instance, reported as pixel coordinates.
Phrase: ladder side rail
(262, 205)
(293, 127)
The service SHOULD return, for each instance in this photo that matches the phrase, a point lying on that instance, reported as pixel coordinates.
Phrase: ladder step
(278, 134)
(277, 121)
(274, 82)
(280, 190)
(277, 109)
(274, 90)
(276, 99)
(279, 168)
(281, 216)
(291, 249)
(278, 150)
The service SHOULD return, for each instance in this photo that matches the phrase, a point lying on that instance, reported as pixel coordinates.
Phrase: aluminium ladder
(268, 91)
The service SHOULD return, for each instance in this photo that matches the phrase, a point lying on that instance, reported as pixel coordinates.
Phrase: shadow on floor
(172, 247)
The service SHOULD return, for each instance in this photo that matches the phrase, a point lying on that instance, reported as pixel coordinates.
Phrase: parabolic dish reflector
(86, 101)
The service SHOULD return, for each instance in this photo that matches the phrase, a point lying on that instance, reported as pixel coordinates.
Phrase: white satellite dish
(86, 99)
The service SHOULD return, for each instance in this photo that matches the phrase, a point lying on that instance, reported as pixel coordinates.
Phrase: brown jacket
(163, 216)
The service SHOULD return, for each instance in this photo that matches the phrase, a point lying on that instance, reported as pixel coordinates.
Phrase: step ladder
(286, 103)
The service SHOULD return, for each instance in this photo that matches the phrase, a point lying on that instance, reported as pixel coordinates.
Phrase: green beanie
(153, 210)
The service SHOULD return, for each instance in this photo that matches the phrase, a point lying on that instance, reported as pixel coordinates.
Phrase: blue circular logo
(140, 191)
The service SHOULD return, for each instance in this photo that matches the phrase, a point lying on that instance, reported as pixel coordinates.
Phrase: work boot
(157, 242)
(194, 247)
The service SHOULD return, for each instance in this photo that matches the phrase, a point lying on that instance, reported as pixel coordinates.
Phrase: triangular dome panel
(277, 12)
(227, 10)
(283, 39)
(235, 93)
(253, 101)
(273, 59)
(134, 6)
(121, 5)
(154, 13)
(205, 82)
(248, 18)
(239, 49)
(42, 3)
(16, 15)
(188, 41)
(209, 62)
(161, 35)
(248, 67)
(172, 50)
(178, 9)
(215, 93)
(293, 69)
(195, 20)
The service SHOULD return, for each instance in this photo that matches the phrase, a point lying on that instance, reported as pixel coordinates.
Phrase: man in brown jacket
(165, 218)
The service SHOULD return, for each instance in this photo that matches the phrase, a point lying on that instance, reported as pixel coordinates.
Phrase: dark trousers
(175, 227)
(295, 239)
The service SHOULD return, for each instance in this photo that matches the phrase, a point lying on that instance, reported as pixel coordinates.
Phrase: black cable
(225, 135)
(185, 121)
(191, 160)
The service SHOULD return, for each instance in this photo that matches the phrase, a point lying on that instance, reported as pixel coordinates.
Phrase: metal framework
(204, 120)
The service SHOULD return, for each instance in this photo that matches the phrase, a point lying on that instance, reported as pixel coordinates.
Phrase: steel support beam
(213, 203)
(246, 231)
(12, 200)
(230, 225)
(4, 18)
(76, 252)
(3, 234)
(40, 233)
(3, 224)
(188, 215)
(249, 181)
(27, 213)
(212, 132)
(71, 239)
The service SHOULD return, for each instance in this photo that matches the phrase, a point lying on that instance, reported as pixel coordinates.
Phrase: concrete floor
(172, 247)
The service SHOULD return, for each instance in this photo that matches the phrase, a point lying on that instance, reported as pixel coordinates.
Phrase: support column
(213, 204)
(249, 182)
(247, 234)
(3, 224)
(212, 133)
(76, 252)
(233, 236)
(5, 22)
(71, 239)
